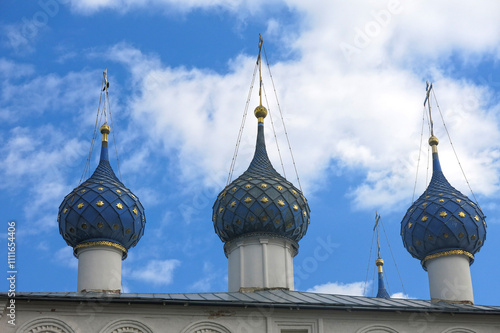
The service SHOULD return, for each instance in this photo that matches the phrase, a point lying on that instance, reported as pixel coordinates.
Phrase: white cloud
(340, 288)
(91, 6)
(193, 113)
(209, 276)
(11, 70)
(364, 115)
(401, 295)
(158, 272)
(18, 39)
(65, 257)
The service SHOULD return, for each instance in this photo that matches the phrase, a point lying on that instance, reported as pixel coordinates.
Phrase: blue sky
(350, 78)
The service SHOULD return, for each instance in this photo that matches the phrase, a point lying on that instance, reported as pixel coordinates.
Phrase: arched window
(377, 329)
(126, 326)
(46, 325)
(205, 327)
(458, 330)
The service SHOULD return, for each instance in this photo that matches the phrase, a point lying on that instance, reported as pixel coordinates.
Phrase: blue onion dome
(442, 221)
(381, 292)
(101, 210)
(261, 201)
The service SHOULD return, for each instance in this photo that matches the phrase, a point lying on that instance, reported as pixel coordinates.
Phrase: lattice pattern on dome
(442, 219)
(102, 208)
(260, 201)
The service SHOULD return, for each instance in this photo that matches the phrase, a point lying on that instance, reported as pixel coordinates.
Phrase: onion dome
(101, 210)
(382, 292)
(442, 221)
(260, 201)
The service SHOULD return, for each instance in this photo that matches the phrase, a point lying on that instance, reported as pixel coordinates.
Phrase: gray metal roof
(268, 298)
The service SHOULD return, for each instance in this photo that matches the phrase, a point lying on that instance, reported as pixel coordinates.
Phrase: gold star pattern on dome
(263, 185)
(458, 200)
(135, 211)
(443, 214)
(281, 203)
(80, 205)
(264, 200)
(424, 204)
(82, 191)
(99, 225)
(305, 214)
(264, 218)
(118, 191)
(247, 186)
(424, 218)
(294, 192)
(119, 205)
(277, 221)
(221, 209)
(248, 200)
(295, 207)
(279, 187)
(99, 203)
(238, 221)
(476, 218)
(445, 235)
(473, 237)
(234, 189)
(410, 225)
(461, 235)
(66, 209)
(233, 204)
(461, 214)
(441, 200)
(100, 189)
(289, 225)
(251, 218)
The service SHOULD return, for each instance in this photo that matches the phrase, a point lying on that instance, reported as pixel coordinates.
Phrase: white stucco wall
(450, 279)
(99, 268)
(99, 316)
(260, 262)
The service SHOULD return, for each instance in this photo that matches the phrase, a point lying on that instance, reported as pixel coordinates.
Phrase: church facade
(260, 217)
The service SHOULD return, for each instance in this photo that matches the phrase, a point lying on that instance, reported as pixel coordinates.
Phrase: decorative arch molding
(45, 325)
(126, 326)
(205, 327)
(377, 329)
(458, 330)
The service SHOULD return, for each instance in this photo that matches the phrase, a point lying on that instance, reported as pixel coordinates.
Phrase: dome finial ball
(433, 141)
(105, 129)
(260, 112)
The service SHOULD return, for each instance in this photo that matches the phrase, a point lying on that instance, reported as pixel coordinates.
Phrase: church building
(260, 218)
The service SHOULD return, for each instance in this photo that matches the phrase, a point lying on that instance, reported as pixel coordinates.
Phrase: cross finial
(377, 219)
(428, 89)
